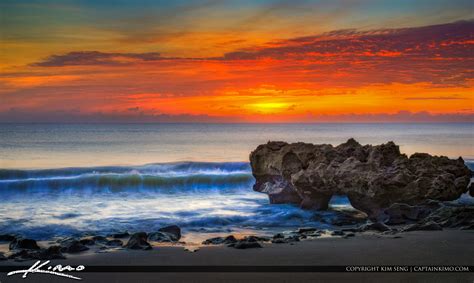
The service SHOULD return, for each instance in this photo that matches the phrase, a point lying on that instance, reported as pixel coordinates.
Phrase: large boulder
(372, 177)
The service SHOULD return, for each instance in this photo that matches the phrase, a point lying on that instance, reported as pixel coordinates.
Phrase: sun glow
(268, 107)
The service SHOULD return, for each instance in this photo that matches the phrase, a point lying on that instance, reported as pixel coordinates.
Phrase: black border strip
(258, 269)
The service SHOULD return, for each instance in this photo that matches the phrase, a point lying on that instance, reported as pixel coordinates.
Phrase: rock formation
(372, 177)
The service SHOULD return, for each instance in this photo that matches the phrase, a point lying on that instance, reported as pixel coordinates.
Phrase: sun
(268, 107)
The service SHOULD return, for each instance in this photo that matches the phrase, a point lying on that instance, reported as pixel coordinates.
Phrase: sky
(237, 61)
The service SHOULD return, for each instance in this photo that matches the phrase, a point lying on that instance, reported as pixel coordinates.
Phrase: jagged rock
(372, 177)
(471, 189)
(452, 216)
(429, 226)
(7, 238)
(22, 243)
(377, 226)
(173, 230)
(220, 240)
(400, 213)
(138, 242)
(337, 233)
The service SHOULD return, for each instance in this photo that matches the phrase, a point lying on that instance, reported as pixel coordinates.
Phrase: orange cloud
(338, 74)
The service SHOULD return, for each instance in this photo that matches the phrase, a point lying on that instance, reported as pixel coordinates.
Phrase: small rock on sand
(220, 240)
(138, 241)
(23, 243)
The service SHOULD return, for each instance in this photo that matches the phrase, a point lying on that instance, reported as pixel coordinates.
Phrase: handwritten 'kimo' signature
(56, 270)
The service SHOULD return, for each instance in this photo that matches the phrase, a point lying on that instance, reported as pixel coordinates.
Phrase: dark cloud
(450, 40)
(438, 54)
(95, 58)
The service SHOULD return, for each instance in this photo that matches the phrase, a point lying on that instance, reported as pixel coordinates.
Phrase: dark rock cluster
(248, 242)
(139, 241)
(220, 240)
(374, 178)
(22, 249)
(22, 243)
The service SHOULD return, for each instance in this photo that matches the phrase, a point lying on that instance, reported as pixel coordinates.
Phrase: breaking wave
(171, 177)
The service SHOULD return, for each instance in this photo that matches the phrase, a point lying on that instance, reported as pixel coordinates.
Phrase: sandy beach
(449, 247)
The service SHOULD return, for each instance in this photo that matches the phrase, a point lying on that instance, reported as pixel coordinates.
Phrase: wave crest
(189, 176)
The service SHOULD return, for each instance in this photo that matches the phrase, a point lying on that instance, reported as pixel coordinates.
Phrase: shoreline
(450, 246)
(447, 247)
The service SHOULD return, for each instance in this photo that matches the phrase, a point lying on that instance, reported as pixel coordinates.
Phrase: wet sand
(449, 247)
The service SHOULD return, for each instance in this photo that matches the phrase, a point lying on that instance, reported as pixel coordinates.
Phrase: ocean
(61, 180)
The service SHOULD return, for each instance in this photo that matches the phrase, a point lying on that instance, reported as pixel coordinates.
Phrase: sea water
(75, 179)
